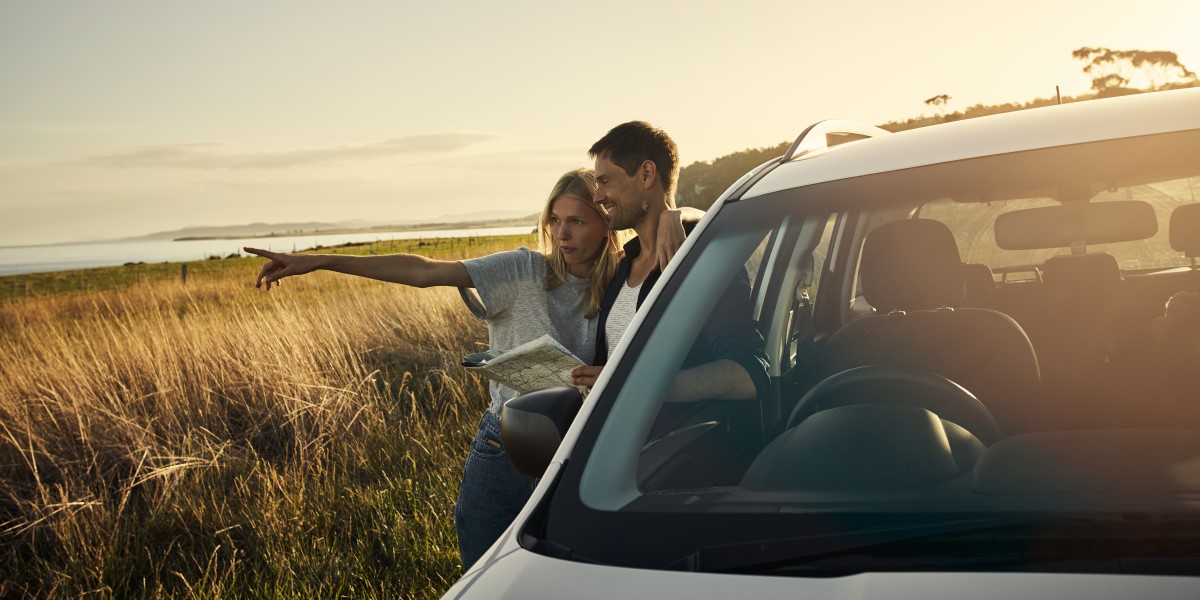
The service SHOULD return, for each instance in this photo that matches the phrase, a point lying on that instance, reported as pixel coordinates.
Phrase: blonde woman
(556, 290)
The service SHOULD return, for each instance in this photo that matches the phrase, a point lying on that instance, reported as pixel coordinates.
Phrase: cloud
(211, 156)
(546, 160)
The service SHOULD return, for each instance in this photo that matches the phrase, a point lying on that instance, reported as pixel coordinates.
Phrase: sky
(121, 118)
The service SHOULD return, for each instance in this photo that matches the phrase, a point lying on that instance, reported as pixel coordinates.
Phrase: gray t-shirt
(518, 309)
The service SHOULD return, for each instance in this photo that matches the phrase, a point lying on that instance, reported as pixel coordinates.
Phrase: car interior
(984, 343)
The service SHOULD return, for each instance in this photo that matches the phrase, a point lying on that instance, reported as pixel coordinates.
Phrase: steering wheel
(881, 384)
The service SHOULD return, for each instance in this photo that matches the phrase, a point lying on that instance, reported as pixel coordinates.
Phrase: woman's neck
(581, 270)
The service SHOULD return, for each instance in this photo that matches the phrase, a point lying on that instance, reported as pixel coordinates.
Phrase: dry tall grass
(215, 440)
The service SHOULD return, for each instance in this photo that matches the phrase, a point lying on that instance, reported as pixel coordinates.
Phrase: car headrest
(1081, 276)
(1183, 307)
(1185, 229)
(911, 264)
(979, 284)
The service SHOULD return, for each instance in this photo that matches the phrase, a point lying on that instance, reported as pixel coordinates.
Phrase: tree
(1115, 70)
(700, 183)
(939, 101)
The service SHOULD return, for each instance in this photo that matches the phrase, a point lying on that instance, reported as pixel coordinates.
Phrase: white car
(984, 350)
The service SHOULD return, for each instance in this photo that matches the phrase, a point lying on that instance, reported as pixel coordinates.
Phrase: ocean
(15, 260)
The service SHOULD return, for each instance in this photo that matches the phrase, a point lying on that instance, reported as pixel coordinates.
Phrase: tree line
(1113, 73)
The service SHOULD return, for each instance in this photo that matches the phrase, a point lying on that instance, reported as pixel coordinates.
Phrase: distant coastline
(17, 260)
(531, 221)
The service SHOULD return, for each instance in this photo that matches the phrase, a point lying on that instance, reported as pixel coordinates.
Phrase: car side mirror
(533, 425)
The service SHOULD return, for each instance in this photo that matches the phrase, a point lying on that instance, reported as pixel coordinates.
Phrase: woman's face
(579, 232)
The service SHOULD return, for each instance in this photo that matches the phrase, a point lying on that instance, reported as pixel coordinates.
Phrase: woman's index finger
(261, 252)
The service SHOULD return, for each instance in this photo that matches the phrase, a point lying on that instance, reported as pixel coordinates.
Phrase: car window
(821, 254)
(973, 224)
(1113, 434)
(753, 266)
(710, 439)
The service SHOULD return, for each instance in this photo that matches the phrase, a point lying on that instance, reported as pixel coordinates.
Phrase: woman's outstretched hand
(282, 265)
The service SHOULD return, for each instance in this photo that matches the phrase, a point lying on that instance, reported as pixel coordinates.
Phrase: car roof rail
(829, 133)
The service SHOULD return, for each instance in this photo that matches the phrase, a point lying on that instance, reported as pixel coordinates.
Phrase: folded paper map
(536, 365)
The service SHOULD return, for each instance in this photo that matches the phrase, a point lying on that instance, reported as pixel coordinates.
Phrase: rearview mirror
(533, 425)
(1064, 225)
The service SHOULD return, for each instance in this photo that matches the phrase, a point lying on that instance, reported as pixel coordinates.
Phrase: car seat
(1157, 365)
(980, 285)
(1082, 297)
(1184, 233)
(912, 275)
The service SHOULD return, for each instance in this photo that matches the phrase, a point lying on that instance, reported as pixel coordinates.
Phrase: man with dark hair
(628, 145)
(637, 166)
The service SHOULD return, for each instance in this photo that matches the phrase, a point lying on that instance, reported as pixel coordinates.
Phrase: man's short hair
(630, 144)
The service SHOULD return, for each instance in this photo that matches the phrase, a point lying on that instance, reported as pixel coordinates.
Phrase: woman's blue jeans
(491, 495)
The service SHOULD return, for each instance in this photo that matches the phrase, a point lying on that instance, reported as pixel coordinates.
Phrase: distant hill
(252, 230)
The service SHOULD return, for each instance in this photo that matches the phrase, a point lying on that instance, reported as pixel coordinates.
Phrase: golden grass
(215, 440)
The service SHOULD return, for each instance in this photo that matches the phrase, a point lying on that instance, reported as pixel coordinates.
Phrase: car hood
(523, 574)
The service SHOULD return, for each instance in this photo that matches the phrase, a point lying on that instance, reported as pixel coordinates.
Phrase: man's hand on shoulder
(673, 225)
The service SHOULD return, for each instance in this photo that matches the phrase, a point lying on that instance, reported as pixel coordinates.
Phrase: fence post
(183, 274)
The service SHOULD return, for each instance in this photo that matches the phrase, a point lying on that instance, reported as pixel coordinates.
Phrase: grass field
(212, 440)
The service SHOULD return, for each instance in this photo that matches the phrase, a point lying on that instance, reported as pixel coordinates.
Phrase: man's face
(619, 195)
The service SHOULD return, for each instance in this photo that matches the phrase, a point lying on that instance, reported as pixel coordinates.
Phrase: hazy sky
(119, 117)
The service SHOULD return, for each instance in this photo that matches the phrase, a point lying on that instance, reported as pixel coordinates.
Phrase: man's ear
(647, 174)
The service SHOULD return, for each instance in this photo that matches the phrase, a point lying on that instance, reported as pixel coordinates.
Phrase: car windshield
(965, 361)
(973, 227)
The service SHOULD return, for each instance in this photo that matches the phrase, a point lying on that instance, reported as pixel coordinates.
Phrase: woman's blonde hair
(579, 184)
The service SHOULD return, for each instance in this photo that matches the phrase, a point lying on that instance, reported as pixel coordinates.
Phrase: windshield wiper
(967, 543)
